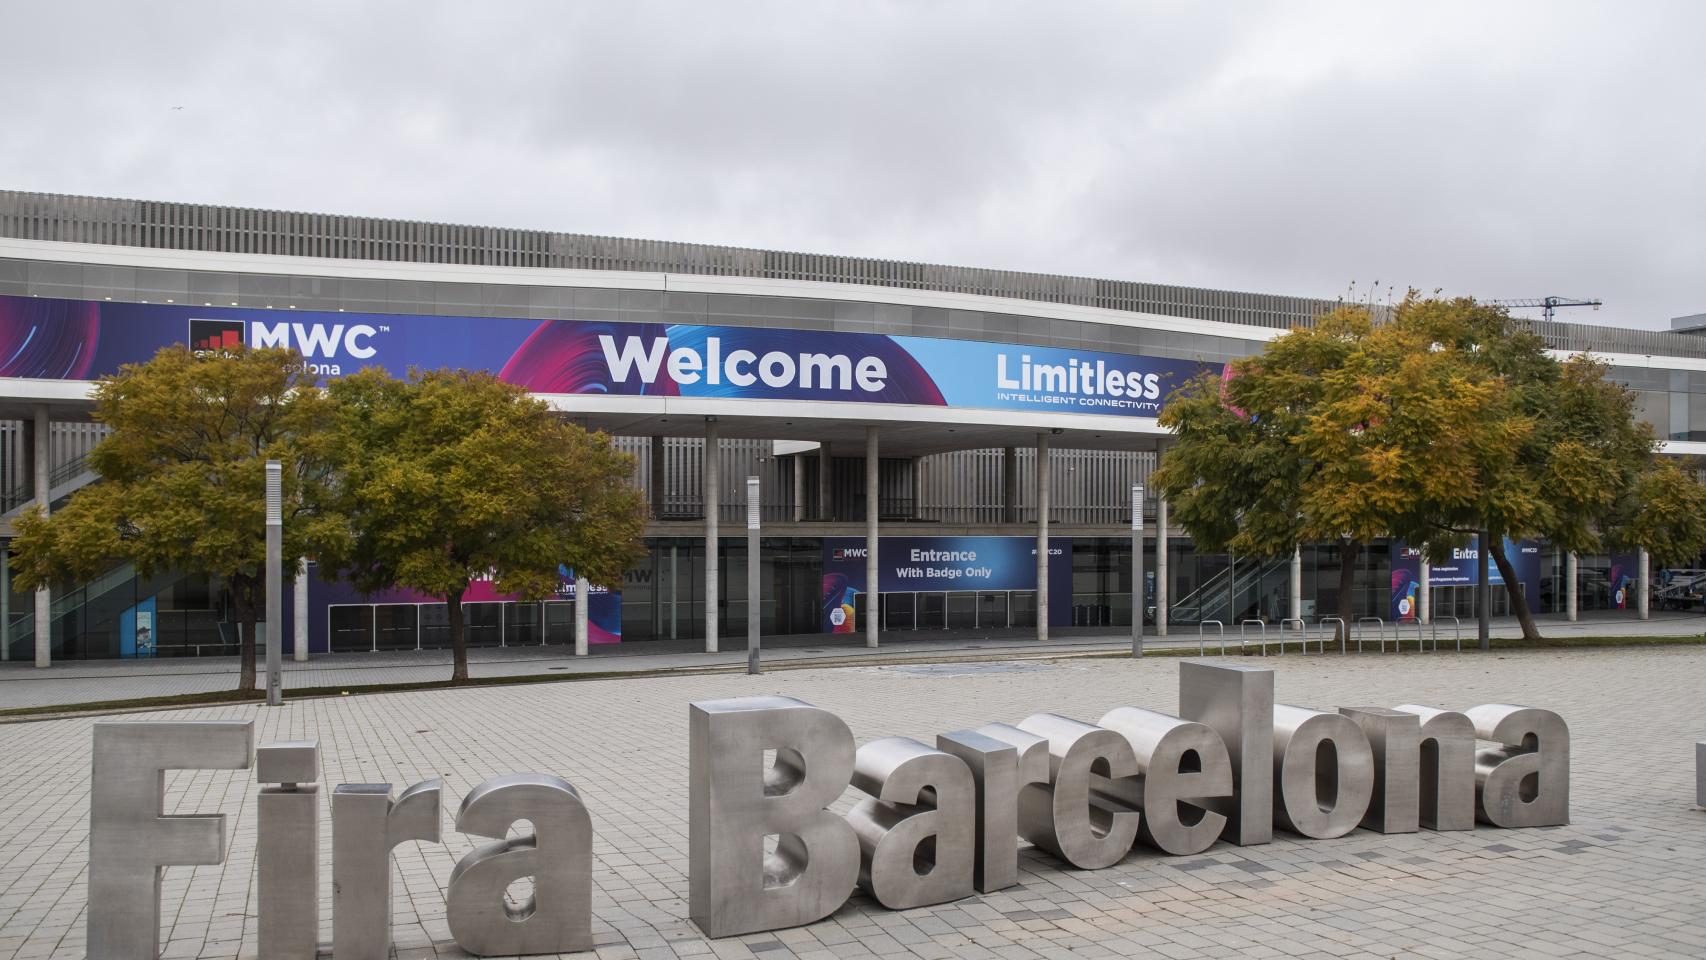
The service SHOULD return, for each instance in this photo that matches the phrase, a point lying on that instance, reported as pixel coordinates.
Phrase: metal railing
(1202, 647)
(1344, 631)
(1379, 631)
(1244, 643)
(1302, 635)
(1456, 629)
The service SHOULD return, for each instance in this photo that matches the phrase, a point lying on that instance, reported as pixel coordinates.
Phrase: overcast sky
(1491, 149)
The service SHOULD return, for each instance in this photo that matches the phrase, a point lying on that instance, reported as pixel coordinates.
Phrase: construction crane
(1548, 304)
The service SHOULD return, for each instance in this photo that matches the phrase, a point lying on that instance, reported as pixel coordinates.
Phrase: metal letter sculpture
(1320, 796)
(1395, 739)
(130, 835)
(287, 853)
(1073, 817)
(733, 804)
(1446, 769)
(1524, 782)
(917, 834)
(1237, 702)
(366, 825)
(558, 856)
(1179, 764)
(1002, 759)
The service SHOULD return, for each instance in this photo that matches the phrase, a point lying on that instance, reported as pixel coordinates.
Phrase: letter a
(558, 856)
(734, 804)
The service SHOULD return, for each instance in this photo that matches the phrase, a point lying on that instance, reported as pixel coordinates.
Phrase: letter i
(287, 855)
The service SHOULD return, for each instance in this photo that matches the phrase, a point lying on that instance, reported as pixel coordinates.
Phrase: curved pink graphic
(48, 339)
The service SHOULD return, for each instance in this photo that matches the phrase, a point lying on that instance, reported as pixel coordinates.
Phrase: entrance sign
(764, 849)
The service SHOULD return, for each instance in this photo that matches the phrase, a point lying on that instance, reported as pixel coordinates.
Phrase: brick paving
(1623, 879)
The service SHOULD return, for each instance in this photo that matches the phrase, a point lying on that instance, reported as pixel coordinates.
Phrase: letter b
(734, 804)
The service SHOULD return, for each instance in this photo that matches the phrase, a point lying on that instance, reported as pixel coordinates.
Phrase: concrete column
(6, 600)
(583, 598)
(1160, 567)
(1042, 536)
(1425, 601)
(712, 467)
(1570, 574)
(799, 467)
(299, 610)
(825, 506)
(873, 586)
(1644, 584)
(1009, 485)
(44, 600)
(657, 477)
(1297, 583)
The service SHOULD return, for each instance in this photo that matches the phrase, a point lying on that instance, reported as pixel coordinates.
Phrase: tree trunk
(458, 641)
(1496, 549)
(243, 603)
(1347, 587)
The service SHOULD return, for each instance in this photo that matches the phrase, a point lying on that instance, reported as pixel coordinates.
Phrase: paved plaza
(1624, 879)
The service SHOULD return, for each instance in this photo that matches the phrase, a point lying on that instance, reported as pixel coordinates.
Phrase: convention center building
(984, 428)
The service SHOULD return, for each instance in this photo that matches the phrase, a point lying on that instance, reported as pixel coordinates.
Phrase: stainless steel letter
(287, 853)
(1002, 759)
(130, 834)
(1179, 764)
(1322, 794)
(1395, 740)
(733, 804)
(1237, 702)
(1446, 770)
(1073, 816)
(1525, 781)
(917, 835)
(366, 825)
(558, 856)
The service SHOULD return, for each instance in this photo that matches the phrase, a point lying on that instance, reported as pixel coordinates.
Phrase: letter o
(767, 369)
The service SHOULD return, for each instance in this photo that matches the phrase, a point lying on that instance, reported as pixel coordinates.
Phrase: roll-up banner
(82, 340)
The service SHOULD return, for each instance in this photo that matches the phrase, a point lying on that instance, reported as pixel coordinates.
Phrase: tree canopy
(183, 477)
(448, 476)
(1446, 420)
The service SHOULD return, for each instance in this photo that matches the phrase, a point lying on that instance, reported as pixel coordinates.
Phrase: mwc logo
(847, 553)
(313, 340)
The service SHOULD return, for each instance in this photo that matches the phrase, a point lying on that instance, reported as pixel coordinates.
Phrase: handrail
(1302, 632)
(1456, 629)
(1379, 632)
(1243, 644)
(1201, 646)
(1343, 631)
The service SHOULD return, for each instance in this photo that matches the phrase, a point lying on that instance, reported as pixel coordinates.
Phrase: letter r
(130, 834)
(734, 804)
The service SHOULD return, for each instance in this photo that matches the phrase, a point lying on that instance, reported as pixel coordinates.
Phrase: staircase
(62, 482)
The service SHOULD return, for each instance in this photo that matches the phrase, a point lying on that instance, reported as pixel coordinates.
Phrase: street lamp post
(752, 600)
(1137, 570)
(275, 583)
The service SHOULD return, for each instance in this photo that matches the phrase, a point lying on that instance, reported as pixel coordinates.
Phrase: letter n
(735, 884)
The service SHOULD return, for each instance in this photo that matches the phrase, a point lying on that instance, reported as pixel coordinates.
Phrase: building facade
(912, 403)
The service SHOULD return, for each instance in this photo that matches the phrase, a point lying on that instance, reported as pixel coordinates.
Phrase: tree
(1237, 475)
(183, 478)
(449, 476)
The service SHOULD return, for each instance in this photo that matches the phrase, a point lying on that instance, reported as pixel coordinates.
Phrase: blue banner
(83, 340)
(941, 565)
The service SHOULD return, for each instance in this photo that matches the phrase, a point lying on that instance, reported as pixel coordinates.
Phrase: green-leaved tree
(182, 478)
(449, 476)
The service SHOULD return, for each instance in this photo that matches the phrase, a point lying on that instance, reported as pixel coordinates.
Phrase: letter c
(731, 366)
(361, 351)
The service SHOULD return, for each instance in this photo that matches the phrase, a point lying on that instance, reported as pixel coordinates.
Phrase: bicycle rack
(1243, 644)
(1302, 633)
(1344, 631)
(1456, 630)
(1201, 648)
(1421, 641)
(1379, 632)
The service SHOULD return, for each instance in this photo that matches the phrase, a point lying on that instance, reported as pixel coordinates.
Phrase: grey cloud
(1496, 150)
